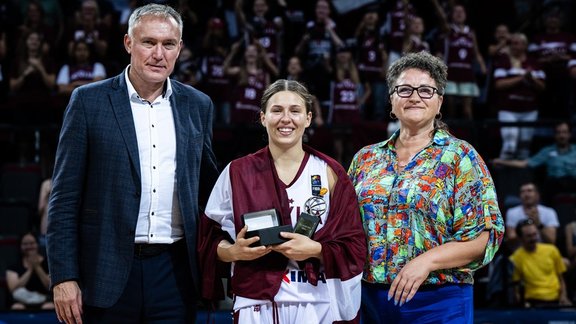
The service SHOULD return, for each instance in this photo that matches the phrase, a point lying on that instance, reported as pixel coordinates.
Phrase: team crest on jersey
(315, 206)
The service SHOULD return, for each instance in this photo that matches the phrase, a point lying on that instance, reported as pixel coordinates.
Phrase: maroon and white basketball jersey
(396, 25)
(520, 97)
(267, 35)
(344, 102)
(215, 83)
(459, 54)
(295, 287)
(212, 69)
(246, 98)
(550, 45)
(319, 45)
(369, 63)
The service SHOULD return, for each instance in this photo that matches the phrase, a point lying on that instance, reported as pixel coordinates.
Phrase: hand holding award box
(266, 225)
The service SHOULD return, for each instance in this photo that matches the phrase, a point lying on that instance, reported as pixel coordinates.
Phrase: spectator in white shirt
(544, 217)
(81, 70)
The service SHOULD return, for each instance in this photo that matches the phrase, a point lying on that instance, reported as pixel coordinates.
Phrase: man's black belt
(143, 251)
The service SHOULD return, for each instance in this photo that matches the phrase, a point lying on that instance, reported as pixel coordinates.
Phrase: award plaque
(306, 224)
(266, 225)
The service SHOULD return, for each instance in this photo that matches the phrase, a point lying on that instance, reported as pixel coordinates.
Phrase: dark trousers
(159, 290)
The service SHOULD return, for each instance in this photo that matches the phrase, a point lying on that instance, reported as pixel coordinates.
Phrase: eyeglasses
(405, 91)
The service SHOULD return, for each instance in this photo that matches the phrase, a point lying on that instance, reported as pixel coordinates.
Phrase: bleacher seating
(9, 255)
(20, 183)
(15, 218)
(19, 188)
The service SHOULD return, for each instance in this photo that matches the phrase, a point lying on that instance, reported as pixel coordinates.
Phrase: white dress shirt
(159, 219)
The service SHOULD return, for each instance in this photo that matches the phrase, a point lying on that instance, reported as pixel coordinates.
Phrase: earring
(392, 116)
(439, 115)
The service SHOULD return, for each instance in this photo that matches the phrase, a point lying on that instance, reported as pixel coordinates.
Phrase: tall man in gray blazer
(124, 205)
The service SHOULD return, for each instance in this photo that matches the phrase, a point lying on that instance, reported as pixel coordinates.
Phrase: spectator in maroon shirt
(553, 49)
(518, 81)
(372, 60)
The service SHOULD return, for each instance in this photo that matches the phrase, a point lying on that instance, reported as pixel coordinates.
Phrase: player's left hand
(299, 247)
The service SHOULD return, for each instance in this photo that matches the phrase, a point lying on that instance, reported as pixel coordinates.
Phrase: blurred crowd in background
(512, 76)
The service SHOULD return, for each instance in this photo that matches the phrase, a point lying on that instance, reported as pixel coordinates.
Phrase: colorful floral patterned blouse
(444, 194)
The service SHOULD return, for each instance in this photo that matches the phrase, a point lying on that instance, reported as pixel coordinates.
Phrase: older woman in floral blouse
(428, 205)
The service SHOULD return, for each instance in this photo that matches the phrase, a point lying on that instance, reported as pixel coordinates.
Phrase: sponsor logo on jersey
(300, 276)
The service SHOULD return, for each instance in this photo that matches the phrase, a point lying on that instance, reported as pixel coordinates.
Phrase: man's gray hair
(157, 10)
(422, 61)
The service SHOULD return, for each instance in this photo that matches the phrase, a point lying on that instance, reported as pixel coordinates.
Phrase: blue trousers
(449, 303)
(159, 290)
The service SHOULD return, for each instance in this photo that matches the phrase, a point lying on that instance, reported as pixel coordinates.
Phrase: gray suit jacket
(95, 198)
